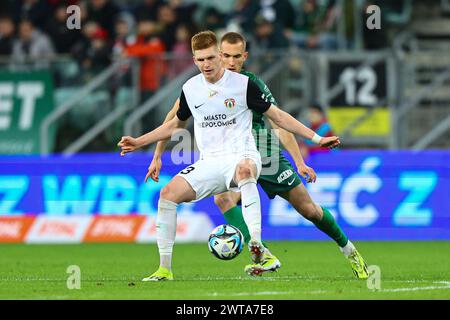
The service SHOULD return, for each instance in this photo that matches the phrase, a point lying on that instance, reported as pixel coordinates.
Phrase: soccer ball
(225, 242)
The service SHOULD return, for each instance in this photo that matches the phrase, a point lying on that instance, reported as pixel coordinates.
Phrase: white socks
(166, 227)
(251, 207)
(348, 249)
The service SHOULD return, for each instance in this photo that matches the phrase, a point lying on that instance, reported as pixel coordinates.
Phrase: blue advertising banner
(374, 195)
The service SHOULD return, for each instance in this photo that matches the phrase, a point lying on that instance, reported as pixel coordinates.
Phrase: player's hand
(330, 142)
(154, 169)
(128, 144)
(306, 172)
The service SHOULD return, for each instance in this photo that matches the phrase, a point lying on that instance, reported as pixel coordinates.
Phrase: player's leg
(245, 176)
(287, 184)
(300, 199)
(227, 203)
(178, 190)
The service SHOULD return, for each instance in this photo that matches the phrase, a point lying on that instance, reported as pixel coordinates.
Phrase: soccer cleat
(268, 263)
(359, 266)
(161, 274)
(255, 258)
(256, 249)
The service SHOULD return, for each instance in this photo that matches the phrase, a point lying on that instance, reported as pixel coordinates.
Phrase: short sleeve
(256, 100)
(183, 112)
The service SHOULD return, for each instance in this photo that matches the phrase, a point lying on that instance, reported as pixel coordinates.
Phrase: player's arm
(161, 145)
(155, 166)
(130, 144)
(165, 131)
(287, 139)
(289, 123)
(257, 102)
(289, 142)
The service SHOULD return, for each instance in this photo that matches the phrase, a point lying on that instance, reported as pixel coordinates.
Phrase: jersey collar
(218, 83)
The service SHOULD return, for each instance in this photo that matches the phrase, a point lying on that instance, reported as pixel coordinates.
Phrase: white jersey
(221, 111)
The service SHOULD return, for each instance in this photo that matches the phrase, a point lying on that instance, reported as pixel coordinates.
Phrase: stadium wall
(374, 195)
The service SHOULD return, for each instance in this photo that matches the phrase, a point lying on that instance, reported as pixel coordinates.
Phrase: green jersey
(263, 138)
(285, 179)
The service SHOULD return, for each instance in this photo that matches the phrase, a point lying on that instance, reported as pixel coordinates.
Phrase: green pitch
(310, 270)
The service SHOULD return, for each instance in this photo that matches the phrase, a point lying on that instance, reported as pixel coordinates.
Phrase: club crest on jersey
(230, 103)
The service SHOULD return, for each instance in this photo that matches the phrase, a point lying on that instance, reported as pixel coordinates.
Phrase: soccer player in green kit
(284, 182)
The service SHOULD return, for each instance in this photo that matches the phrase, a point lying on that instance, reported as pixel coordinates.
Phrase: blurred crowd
(32, 29)
(157, 33)
(36, 30)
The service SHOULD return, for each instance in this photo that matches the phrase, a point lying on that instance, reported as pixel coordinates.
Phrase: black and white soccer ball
(225, 242)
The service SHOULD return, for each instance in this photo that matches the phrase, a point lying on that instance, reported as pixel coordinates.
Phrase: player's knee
(224, 202)
(166, 193)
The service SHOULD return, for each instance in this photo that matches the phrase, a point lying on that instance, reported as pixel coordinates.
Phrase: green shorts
(285, 179)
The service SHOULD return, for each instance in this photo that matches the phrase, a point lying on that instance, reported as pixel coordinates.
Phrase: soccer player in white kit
(220, 101)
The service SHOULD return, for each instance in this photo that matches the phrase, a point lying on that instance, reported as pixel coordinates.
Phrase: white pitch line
(239, 278)
(445, 283)
(65, 279)
(414, 289)
(270, 278)
(262, 293)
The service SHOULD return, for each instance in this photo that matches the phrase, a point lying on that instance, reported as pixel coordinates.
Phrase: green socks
(235, 218)
(329, 226)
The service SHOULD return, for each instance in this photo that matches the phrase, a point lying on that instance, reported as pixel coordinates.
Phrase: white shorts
(211, 176)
